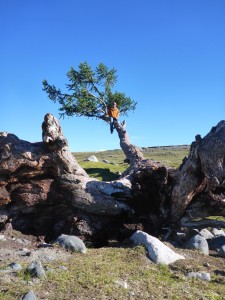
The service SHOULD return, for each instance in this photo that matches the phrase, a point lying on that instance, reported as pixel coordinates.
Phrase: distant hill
(170, 156)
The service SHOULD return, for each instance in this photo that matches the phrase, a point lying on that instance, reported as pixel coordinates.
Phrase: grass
(121, 272)
(170, 156)
(118, 273)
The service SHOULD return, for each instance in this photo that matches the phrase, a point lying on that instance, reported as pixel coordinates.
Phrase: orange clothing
(114, 112)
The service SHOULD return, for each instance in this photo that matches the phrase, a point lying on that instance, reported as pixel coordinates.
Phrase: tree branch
(203, 223)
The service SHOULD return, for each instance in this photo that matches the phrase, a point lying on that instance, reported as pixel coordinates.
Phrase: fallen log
(44, 191)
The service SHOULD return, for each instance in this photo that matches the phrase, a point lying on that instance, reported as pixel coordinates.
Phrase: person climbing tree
(113, 113)
(90, 93)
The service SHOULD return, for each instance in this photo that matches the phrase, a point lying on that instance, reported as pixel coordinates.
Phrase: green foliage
(89, 93)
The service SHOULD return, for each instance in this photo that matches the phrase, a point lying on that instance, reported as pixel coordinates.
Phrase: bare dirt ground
(24, 249)
(17, 247)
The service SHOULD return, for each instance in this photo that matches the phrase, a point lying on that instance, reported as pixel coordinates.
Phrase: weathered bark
(132, 153)
(202, 176)
(43, 189)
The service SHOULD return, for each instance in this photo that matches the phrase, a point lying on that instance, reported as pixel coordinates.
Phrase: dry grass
(122, 273)
(169, 156)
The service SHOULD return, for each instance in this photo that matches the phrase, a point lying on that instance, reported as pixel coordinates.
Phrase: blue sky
(169, 56)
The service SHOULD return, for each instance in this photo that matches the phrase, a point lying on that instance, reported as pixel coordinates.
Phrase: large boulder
(198, 242)
(92, 158)
(29, 296)
(72, 243)
(218, 232)
(206, 234)
(158, 252)
(36, 269)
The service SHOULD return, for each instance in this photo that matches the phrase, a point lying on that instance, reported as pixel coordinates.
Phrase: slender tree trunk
(132, 153)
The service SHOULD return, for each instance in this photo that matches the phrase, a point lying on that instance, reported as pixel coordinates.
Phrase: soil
(17, 247)
(24, 249)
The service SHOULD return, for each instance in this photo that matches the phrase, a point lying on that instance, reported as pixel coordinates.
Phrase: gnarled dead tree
(44, 191)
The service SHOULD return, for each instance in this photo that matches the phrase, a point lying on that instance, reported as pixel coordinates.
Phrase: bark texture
(132, 152)
(199, 189)
(44, 191)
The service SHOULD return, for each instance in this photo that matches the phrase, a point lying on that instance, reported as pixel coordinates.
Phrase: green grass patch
(168, 156)
(103, 171)
(116, 273)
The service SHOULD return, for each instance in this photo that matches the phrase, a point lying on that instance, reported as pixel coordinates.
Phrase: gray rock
(63, 268)
(92, 158)
(198, 242)
(71, 242)
(206, 234)
(158, 252)
(23, 241)
(199, 275)
(36, 269)
(216, 243)
(221, 251)
(29, 296)
(2, 237)
(15, 266)
(118, 173)
(122, 283)
(106, 161)
(48, 258)
(218, 232)
(3, 216)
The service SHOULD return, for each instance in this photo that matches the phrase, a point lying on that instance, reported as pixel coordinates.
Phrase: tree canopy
(89, 93)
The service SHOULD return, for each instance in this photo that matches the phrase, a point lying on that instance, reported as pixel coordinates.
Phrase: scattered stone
(216, 243)
(15, 266)
(23, 241)
(221, 251)
(206, 234)
(218, 232)
(48, 258)
(106, 161)
(3, 217)
(92, 158)
(199, 275)
(63, 268)
(118, 173)
(2, 237)
(207, 265)
(122, 283)
(72, 243)
(29, 296)
(25, 249)
(198, 242)
(157, 251)
(25, 252)
(36, 269)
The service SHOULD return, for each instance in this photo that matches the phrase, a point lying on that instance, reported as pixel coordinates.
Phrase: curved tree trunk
(132, 153)
(43, 190)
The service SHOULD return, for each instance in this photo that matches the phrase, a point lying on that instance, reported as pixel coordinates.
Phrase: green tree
(89, 93)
